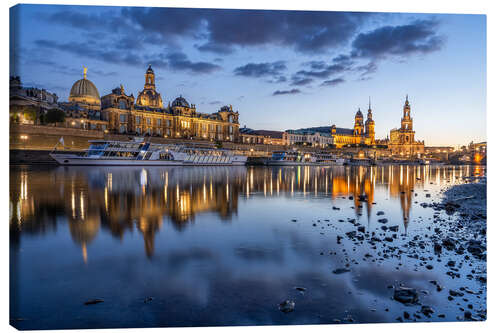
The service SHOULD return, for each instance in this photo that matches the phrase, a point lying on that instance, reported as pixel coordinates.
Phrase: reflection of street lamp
(24, 137)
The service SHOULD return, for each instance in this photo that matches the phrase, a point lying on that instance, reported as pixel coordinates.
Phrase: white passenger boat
(137, 152)
(300, 158)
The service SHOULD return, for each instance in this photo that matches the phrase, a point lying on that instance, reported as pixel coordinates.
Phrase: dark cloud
(286, 92)
(179, 61)
(325, 73)
(297, 81)
(367, 69)
(222, 30)
(90, 49)
(274, 69)
(215, 102)
(333, 82)
(417, 37)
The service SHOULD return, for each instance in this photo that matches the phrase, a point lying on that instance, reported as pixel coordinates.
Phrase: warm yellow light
(24, 137)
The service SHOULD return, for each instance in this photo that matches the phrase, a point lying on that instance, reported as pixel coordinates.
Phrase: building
(122, 113)
(315, 137)
(402, 140)
(362, 133)
(83, 109)
(26, 105)
(266, 137)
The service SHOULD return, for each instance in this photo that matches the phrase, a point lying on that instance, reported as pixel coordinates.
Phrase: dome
(84, 91)
(180, 101)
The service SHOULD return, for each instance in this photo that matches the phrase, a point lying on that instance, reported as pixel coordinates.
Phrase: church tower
(370, 124)
(148, 96)
(358, 123)
(407, 121)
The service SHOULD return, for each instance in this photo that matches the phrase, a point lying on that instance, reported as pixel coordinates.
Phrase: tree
(54, 116)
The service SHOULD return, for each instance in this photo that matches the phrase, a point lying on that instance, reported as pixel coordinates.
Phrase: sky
(280, 69)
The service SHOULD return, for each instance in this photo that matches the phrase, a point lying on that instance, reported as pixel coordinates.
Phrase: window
(138, 119)
(148, 121)
(123, 118)
(219, 128)
(92, 126)
(168, 132)
(230, 118)
(169, 123)
(158, 122)
(122, 104)
(122, 129)
(231, 129)
(138, 130)
(158, 131)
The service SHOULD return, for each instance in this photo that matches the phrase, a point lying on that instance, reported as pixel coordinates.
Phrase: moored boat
(293, 157)
(137, 152)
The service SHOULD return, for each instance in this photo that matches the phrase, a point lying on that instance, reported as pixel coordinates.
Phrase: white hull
(71, 159)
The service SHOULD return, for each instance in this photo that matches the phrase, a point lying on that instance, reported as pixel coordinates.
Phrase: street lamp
(24, 138)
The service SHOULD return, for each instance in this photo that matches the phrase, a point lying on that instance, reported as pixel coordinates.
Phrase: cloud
(215, 102)
(417, 37)
(221, 31)
(297, 81)
(179, 61)
(332, 83)
(286, 92)
(262, 69)
(175, 60)
(93, 50)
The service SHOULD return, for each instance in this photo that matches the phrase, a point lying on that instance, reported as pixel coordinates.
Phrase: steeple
(369, 104)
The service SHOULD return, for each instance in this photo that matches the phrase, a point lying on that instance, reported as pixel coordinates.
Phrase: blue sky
(279, 69)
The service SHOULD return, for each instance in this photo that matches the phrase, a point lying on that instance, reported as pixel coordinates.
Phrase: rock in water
(93, 301)
(406, 295)
(287, 306)
(341, 270)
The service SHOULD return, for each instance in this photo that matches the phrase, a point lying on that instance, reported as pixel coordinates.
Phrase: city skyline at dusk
(280, 69)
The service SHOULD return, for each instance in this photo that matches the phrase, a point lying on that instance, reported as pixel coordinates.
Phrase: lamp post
(24, 138)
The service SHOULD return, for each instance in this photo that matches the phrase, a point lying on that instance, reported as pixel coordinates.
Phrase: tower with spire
(370, 124)
(149, 96)
(359, 128)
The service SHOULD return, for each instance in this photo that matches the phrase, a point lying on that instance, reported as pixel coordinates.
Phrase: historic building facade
(122, 113)
(402, 140)
(362, 133)
(23, 99)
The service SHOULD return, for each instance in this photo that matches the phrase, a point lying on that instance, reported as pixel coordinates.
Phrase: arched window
(122, 104)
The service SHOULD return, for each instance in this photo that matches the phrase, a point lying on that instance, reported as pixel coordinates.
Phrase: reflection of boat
(430, 161)
(137, 152)
(360, 161)
(300, 158)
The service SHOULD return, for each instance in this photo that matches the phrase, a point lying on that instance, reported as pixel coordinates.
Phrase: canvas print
(175, 167)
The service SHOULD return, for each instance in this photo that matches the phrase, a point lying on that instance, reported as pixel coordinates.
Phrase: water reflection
(120, 200)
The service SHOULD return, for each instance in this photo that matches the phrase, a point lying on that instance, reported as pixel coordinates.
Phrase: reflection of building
(402, 141)
(122, 201)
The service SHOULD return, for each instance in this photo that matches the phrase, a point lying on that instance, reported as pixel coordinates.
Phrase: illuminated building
(402, 140)
(180, 119)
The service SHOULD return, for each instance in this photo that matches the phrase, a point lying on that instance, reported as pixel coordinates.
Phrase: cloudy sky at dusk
(279, 69)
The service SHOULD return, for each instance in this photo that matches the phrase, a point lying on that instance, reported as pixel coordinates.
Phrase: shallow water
(204, 246)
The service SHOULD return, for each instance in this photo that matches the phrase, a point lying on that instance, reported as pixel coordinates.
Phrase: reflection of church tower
(84, 231)
(358, 123)
(370, 124)
(148, 228)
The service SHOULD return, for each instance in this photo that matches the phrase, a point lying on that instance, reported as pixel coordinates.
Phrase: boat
(138, 152)
(293, 157)
(361, 162)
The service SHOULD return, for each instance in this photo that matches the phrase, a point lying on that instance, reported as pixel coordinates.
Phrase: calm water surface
(198, 246)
